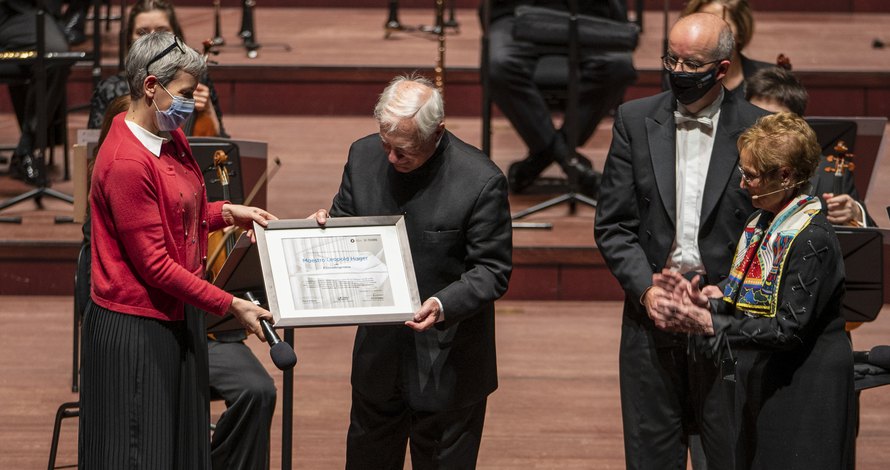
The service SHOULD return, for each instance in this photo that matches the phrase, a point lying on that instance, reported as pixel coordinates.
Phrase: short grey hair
(400, 101)
(165, 68)
(725, 44)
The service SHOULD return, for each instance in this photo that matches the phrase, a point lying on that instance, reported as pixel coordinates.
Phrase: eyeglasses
(670, 62)
(749, 178)
(176, 45)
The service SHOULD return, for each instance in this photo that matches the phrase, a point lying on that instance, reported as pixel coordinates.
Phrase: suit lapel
(662, 134)
(724, 156)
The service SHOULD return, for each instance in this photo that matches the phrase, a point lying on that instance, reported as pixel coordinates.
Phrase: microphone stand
(438, 28)
(217, 40)
(247, 32)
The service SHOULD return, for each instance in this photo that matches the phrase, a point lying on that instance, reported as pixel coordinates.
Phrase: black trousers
(144, 400)
(241, 438)
(604, 77)
(379, 432)
(666, 394)
(18, 31)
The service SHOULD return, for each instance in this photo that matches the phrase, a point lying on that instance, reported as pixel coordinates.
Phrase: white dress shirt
(695, 143)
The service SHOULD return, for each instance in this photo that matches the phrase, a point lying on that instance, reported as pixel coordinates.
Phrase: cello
(218, 240)
(221, 242)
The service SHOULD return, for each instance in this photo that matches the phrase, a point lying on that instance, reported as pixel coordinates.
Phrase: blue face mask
(178, 112)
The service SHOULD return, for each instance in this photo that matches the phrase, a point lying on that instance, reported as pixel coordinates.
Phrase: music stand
(203, 149)
(863, 252)
(39, 70)
(243, 272)
(864, 137)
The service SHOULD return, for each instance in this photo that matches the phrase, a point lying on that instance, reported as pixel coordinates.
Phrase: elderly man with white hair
(426, 382)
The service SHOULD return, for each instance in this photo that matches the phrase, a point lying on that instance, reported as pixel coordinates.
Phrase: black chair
(557, 76)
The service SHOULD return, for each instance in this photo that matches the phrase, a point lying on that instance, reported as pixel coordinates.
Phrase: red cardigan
(139, 223)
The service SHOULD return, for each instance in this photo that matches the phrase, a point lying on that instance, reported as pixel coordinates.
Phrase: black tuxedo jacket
(458, 222)
(636, 212)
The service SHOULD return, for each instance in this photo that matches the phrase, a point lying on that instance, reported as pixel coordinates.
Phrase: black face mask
(689, 87)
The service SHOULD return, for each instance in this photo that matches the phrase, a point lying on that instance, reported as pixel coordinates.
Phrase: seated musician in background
(604, 77)
(778, 90)
(147, 16)
(737, 13)
(18, 32)
(241, 439)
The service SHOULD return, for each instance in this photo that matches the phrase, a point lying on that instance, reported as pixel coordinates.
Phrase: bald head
(701, 37)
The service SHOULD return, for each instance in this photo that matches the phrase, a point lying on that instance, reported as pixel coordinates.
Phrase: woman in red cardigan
(144, 397)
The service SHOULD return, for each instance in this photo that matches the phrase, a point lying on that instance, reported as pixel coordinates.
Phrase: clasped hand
(675, 304)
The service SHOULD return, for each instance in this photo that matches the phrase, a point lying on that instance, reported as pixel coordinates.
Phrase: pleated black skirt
(144, 399)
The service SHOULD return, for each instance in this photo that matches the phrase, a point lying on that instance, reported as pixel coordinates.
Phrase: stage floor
(557, 406)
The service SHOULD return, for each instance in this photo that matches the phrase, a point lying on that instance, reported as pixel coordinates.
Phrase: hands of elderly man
(426, 317)
(321, 216)
(842, 209)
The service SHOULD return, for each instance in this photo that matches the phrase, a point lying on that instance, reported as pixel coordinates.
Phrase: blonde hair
(782, 140)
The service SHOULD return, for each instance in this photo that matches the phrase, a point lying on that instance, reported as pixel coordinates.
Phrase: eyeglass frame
(683, 63)
(160, 55)
(749, 180)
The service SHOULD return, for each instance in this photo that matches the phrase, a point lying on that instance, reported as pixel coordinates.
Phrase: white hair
(410, 97)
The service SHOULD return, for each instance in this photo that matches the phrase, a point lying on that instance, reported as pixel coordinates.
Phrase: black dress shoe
(27, 168)
(518, 177)
(521, 174)
(580, 172)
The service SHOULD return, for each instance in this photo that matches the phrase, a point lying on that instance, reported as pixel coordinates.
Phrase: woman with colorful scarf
(775, 323)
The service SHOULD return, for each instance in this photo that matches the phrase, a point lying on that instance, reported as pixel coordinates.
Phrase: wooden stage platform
(557, 406)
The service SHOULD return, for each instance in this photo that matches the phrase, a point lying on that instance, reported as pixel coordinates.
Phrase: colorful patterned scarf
(760, 256)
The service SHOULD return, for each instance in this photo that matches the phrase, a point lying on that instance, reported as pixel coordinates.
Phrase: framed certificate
(355, 270)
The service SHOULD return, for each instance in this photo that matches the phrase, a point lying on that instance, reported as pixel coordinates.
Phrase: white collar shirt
(695, 143)
(151, 141)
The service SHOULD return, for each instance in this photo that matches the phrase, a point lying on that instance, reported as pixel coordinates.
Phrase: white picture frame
(352, 271)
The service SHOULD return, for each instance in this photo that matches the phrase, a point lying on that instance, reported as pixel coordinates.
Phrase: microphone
(758, 196)
(283, 354)
(878, 355)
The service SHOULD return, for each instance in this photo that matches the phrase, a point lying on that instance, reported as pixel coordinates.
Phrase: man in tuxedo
(670, 198)
(778, 90)
(426, 382)
(604, 77)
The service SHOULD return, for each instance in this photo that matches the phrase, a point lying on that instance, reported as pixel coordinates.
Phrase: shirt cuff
(862, 220)
(441, 310)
